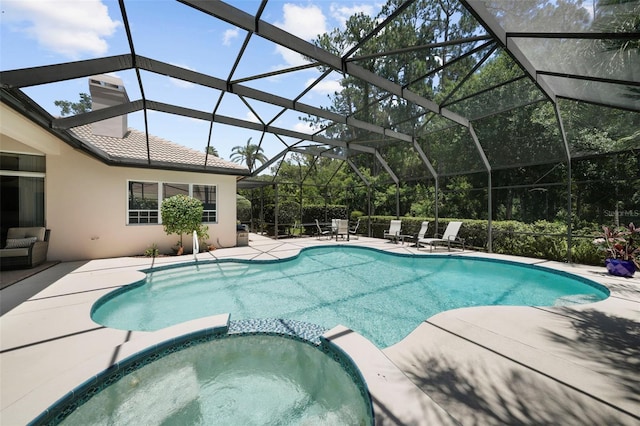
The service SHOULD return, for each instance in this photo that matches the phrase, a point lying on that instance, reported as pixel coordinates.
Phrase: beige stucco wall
(86, 202)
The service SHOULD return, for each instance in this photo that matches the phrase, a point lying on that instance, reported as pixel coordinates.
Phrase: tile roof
(134, 147)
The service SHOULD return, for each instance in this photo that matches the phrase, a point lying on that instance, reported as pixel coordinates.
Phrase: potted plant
(621, 247)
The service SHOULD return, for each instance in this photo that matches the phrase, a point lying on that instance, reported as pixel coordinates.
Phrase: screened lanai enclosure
(521, 117)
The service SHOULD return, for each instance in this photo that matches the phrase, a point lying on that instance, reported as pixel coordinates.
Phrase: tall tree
(249, 154)
(212, 150)
(68, 107)
(409, 64)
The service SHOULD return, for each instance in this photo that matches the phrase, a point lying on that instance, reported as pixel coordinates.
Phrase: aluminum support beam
(489, 198)
(387, 168)
(52, 73)
(96, 115)
(359, 173)
(317, 153)
(26, 77)
(480, 11)
(274, 34)
(424, 158)
(569, 179)
(272, 160)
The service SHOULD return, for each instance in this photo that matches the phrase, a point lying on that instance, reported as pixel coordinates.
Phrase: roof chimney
(108, 91)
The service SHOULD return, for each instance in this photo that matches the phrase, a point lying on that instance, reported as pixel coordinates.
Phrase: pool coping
(46, 337)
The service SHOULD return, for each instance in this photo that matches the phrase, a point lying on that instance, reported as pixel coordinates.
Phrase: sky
(44, 32)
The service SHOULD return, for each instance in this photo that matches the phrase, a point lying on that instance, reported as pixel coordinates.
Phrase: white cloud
(230, 35)
(325, 87)
(68, 28)
(305, 22)
(308, 128)
(342, 13)
(252, 117)
(291, 58)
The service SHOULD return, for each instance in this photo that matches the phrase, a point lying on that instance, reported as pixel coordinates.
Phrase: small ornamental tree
(181, 215)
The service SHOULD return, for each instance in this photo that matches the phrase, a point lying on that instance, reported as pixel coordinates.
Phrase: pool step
(209, 273)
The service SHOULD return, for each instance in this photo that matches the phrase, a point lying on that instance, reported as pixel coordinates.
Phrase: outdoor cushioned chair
(25, 247)
(394, 231)
(450, 236)
(322, 232)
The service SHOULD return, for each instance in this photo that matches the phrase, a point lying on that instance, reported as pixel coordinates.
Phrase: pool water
(381, 296)
(242, 380)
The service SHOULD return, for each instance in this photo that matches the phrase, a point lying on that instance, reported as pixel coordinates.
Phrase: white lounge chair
(450, 236)
(322, 232)
(342, 228)
(354, 231)
(423, 230)
(394, 231)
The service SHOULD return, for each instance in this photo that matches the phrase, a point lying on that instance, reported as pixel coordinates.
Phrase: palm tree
(211, 150)
(248, 154)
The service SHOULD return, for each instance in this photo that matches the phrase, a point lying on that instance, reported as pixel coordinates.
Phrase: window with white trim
(145, 200)
(171, 189)
(208, 195)
(143, 203)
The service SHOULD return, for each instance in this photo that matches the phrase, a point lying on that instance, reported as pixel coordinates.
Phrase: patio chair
(25, 247)
(342, 228)
(354, 231)
(394, 231)
(423, 230)
(322, 232)
(450, 236)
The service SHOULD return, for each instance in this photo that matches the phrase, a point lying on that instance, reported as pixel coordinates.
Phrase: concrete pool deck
(487, 365)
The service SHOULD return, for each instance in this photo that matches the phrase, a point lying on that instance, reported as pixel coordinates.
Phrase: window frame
(149, 211)
(161, 185)
(208, 212)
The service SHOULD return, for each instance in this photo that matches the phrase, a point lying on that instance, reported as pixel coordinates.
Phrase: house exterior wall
(86, 203)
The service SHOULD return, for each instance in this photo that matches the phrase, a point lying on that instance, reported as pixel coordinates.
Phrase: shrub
(152, 251)
(356, 214)
(542, 239)
(181, 215)
(243, 209)
(583, 251)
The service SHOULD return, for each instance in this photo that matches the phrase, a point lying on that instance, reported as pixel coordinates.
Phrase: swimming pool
(380, 295)
(240, 378)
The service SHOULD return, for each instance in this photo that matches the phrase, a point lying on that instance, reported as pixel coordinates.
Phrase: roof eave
(32, 111)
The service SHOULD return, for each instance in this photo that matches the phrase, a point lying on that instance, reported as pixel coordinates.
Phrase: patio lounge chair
(342, 228)
(423, 230)
(450, 236)
(322, 232)
(394, 231)
(354, 231)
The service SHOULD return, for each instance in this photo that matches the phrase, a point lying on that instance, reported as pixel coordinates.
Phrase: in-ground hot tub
(231, 379)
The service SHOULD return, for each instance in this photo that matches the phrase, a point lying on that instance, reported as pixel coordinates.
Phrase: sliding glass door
(21, 191)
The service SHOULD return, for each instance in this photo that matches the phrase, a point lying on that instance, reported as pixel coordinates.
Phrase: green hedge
(289, 212)
(542, 240)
